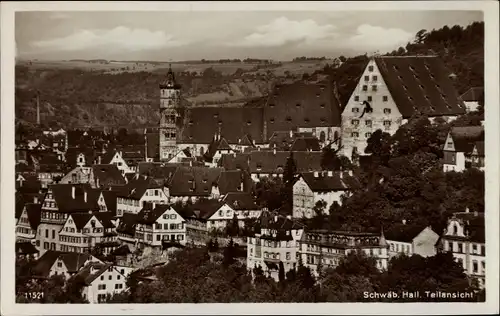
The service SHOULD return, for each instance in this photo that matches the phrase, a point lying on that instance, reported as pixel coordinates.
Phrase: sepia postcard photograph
(224, 157)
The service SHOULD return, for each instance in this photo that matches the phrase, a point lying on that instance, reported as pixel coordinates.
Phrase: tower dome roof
(169, 82)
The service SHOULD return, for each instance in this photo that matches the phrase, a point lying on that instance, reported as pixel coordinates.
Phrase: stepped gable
(420, 84)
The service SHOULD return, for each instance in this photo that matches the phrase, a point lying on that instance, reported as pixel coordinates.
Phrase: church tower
(170, 96)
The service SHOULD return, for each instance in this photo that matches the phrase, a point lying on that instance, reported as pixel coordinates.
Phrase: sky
(193, 35)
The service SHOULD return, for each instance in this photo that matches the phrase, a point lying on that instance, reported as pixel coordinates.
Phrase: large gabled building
(393, 89)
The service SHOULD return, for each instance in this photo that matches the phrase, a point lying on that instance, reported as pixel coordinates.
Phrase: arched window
(455, 230)
(322, 136)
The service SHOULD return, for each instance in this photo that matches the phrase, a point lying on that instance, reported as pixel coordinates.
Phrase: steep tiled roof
(240, 201)
(105, 219)
(81, 219)
(201, 123)
(34, 214)
(275, 162)
(324, 182)
(205, 208)
(230, 181)
(24, 248)
(474, 225)
(193, 181)
(137, 186)
(127, 224)
(74, 261)
(92, 271)
(473, 94)
(123, 250)
(301, 105)
(149, 215)
(306, 144)
(108, 175)
(73, 152)
(110, 200)
(420, 84)
(464, 138)
(403, 233)
(65, 201)
(30, 185)
(217, 144)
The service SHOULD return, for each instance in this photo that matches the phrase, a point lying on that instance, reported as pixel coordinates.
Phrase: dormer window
(370, 68)
(272, 121)
(297, 105)
(271, 105)
(289, 118)
(322, 105)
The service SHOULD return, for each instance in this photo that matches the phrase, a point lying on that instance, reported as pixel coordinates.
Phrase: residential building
(101, 280)
(464, 236)
(473, 98)
(464, 148)
(61, 263)
(278, 241)
(158, 223)
(27, 224)
(98, 176)
(59, 202)
(83, 232)
(330, 247)
(114, 157)
(392, 89)
(139, 190)
(26, 250)
(327, 186)
(410, 239)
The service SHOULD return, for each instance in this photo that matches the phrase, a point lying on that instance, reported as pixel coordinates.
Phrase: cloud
(59, 16)
(120, 38)
(282, 31)
(376, 37)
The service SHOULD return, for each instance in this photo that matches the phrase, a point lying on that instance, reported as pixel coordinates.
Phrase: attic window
(427, 66)
(306, 120)
(421, 87)
(216, 115)
(190, 122)
(410, 98)
(427, 97)
(297, 105)
(289, 119)
(204, 180)
(271, 105)
(396, 68)
(443, 96)
(322, 105)
(249, 123)
(400, 77)
(220, 122)
(404, 86)
(318, 95)
(322, 120)
(271, 120)
(411, 68)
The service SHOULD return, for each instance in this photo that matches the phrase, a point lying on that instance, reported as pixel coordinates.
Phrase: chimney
(99, 160)
(275, 218)
(85, 196)
(35, 199)
(291, 134)
(274, 151)
(154, 205)
(404, 221)
(341, 174)
(316, 174)
(73, 192)
(190, 163)
(330, 173)
(467, 210)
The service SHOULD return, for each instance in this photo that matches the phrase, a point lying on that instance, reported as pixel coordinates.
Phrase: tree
(281, 274)
(229, 253)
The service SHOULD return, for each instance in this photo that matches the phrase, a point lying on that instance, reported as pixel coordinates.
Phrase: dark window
(374, 78)
(367, 78)
(374, 88)
(370, 98)
(370, 68)
(356, 98)
(158, 237)
(365, 88)
(385, 98)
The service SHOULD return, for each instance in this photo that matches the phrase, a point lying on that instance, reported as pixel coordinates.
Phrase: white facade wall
(383, 111)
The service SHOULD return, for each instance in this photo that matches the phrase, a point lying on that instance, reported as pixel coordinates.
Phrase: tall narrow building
(170, 96)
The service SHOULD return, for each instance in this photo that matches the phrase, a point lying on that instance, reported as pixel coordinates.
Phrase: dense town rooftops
(420, 84)
(108, 175)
